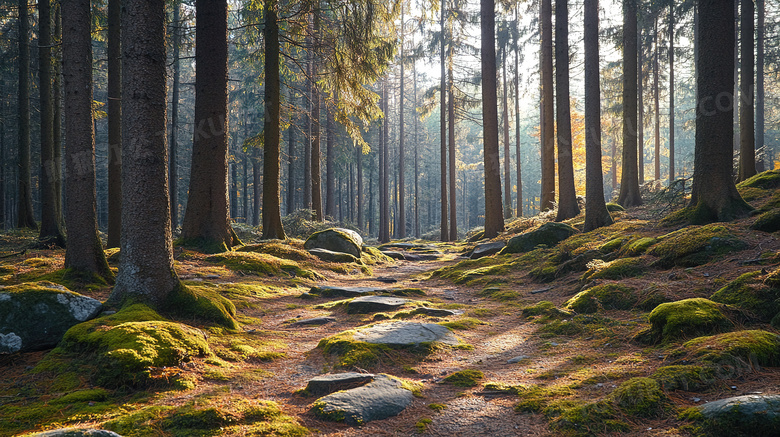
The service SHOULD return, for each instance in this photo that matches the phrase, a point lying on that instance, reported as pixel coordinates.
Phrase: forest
(364, 217)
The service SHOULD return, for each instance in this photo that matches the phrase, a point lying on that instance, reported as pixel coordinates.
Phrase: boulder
(384, 397)
(748, 415)
(35, 315)
(316, 321)
(336, 240)
(76, 432)
(326, 384)
(436, 312)
(487, 249)
(331, 291)
(394, 254)
(405, 334)
(686, 318)
(374, 304)
(549, 234)
(331, 256)
(421, 257)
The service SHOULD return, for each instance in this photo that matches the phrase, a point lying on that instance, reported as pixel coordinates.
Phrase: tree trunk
(445, 230)
(272, 214)
(517, 123)
(114, 123)
(548, 114)
(84, 254)
(307, 143)
(245, 187)
(640, 90)
(613, 150)
(381, 165)
(257, 187)
(2, 156)
(316, 172)
(57, 103)
(51, 216)
(656, 101)
(291, 157)
(173, 168)
(747, 137)
(507, 158)
(567, 196)
(330, 172)
(671, 94)
(384, 223)
(401, 150)
(416, 161)
(453, 234)
(207, 219)
(26, 218)
(629, 178)
(760, 165)
(596, 214)
(714, 196)
(146, 270)
(494, 219)
(233, 167)
(359, 158)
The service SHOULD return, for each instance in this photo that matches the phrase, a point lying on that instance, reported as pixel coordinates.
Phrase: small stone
(386, 279)
(437, 312)
(373, 304)
(517, 359)
(326, 384)
(696, 399)
(316, 321)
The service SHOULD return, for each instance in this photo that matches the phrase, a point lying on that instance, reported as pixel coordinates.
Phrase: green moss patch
(372, 256)
(739, 349)
(350, 353)
(749, 292)
(640, 397)
(499, 294)
(544, 309)
(606, 296)
(260, 264)
(548, 235)
(202, 304)
(695, 245)
(465, 378)
(684, 377)
(766, 180)
(767, 222)
(618, 269)
(279, 249)
(686, 319)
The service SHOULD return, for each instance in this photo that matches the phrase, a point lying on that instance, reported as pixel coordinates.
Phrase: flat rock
(421, 257)
(549, 234)
(517, 359)
(35, 315)
(76, 432)
(386, 279)
(326, 384)
(336, 240)
(331, 291)
(394, 254)
(437, 312)
(406, 334)
(487, 249)
(748, 415)
(406, 246)
(380, 399)
(332, 256)
(316, 321)
(374, 304)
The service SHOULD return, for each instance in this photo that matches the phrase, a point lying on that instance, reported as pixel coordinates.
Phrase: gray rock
(316, 321)
(380, 399)
(487, 249)
(386, 279)
(331, 256)
(336, 240)
(517, 359)
(748, 415)
(437, 312)
(394, 254)
(330, 291)
(374, 304)
(421, 257)
(327, 384)
(549, 234)
(406, 246)
(406, 334)
(35, 315)
(76, 432)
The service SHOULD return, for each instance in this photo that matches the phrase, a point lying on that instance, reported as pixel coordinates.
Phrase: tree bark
(272, 214)
(316, 172)
(207, 219)
(548, 114)
(714, 196)
(453, 234)
(416, 161)
(2, 158)
(747, 136)
(307, 143)
(445, 230)
(84, 254)
(596, 214)
(629, 178)
(401, 149)
(51, 216)
(291, 157)
(114, 123)
(146, 270)
(57, 103)
(507, 158)
(384, 183)
(494, 218)
(26, 218)
(671, 93)
(257, 187)
(330, 172)
(567, 196)
(359, 159)
(640, 122)
(760, 31)
(656, 100)
(173, 168)
(517, 122)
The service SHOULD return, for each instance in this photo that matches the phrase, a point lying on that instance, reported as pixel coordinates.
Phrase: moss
(640, 246)
(498, 294)
(202, 304)
(261, 264)
(545, 309)
(695, 245)
(437, 407)
(748, 348)
(407, 292)
(548, 235)
(767, 222)
(618, 269)
(612, 245)
(465, 378)
(685, 318)
(594, 326)
(463, 324)
(749, 292)
(606, 296)
(641, 397)
(580, 419)
(279, 249)
(615, 207)
(351, 353)
(422, 425)
(766, 180)
(684, 377)
(373, 256)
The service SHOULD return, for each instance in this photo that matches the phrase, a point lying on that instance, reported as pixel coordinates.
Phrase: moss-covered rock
(279, 249)
(371, 256)
(615, 207)
(201, 304)
(695, 245)
(126, 346)
(766, 180)
(605, 296)
(549, 234)
(336, 240)
(331, 256)
(35, 315)
(740, 416)
(739, 349)
(767, 222)
(640, 397)
(640, 245)
(545, 309)
(685, 319)
(465, 378)
(749, 292)
(620, 268)
(684, 377)
(261, 264)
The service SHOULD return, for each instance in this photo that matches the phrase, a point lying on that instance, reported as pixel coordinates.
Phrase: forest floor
(563, 360)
